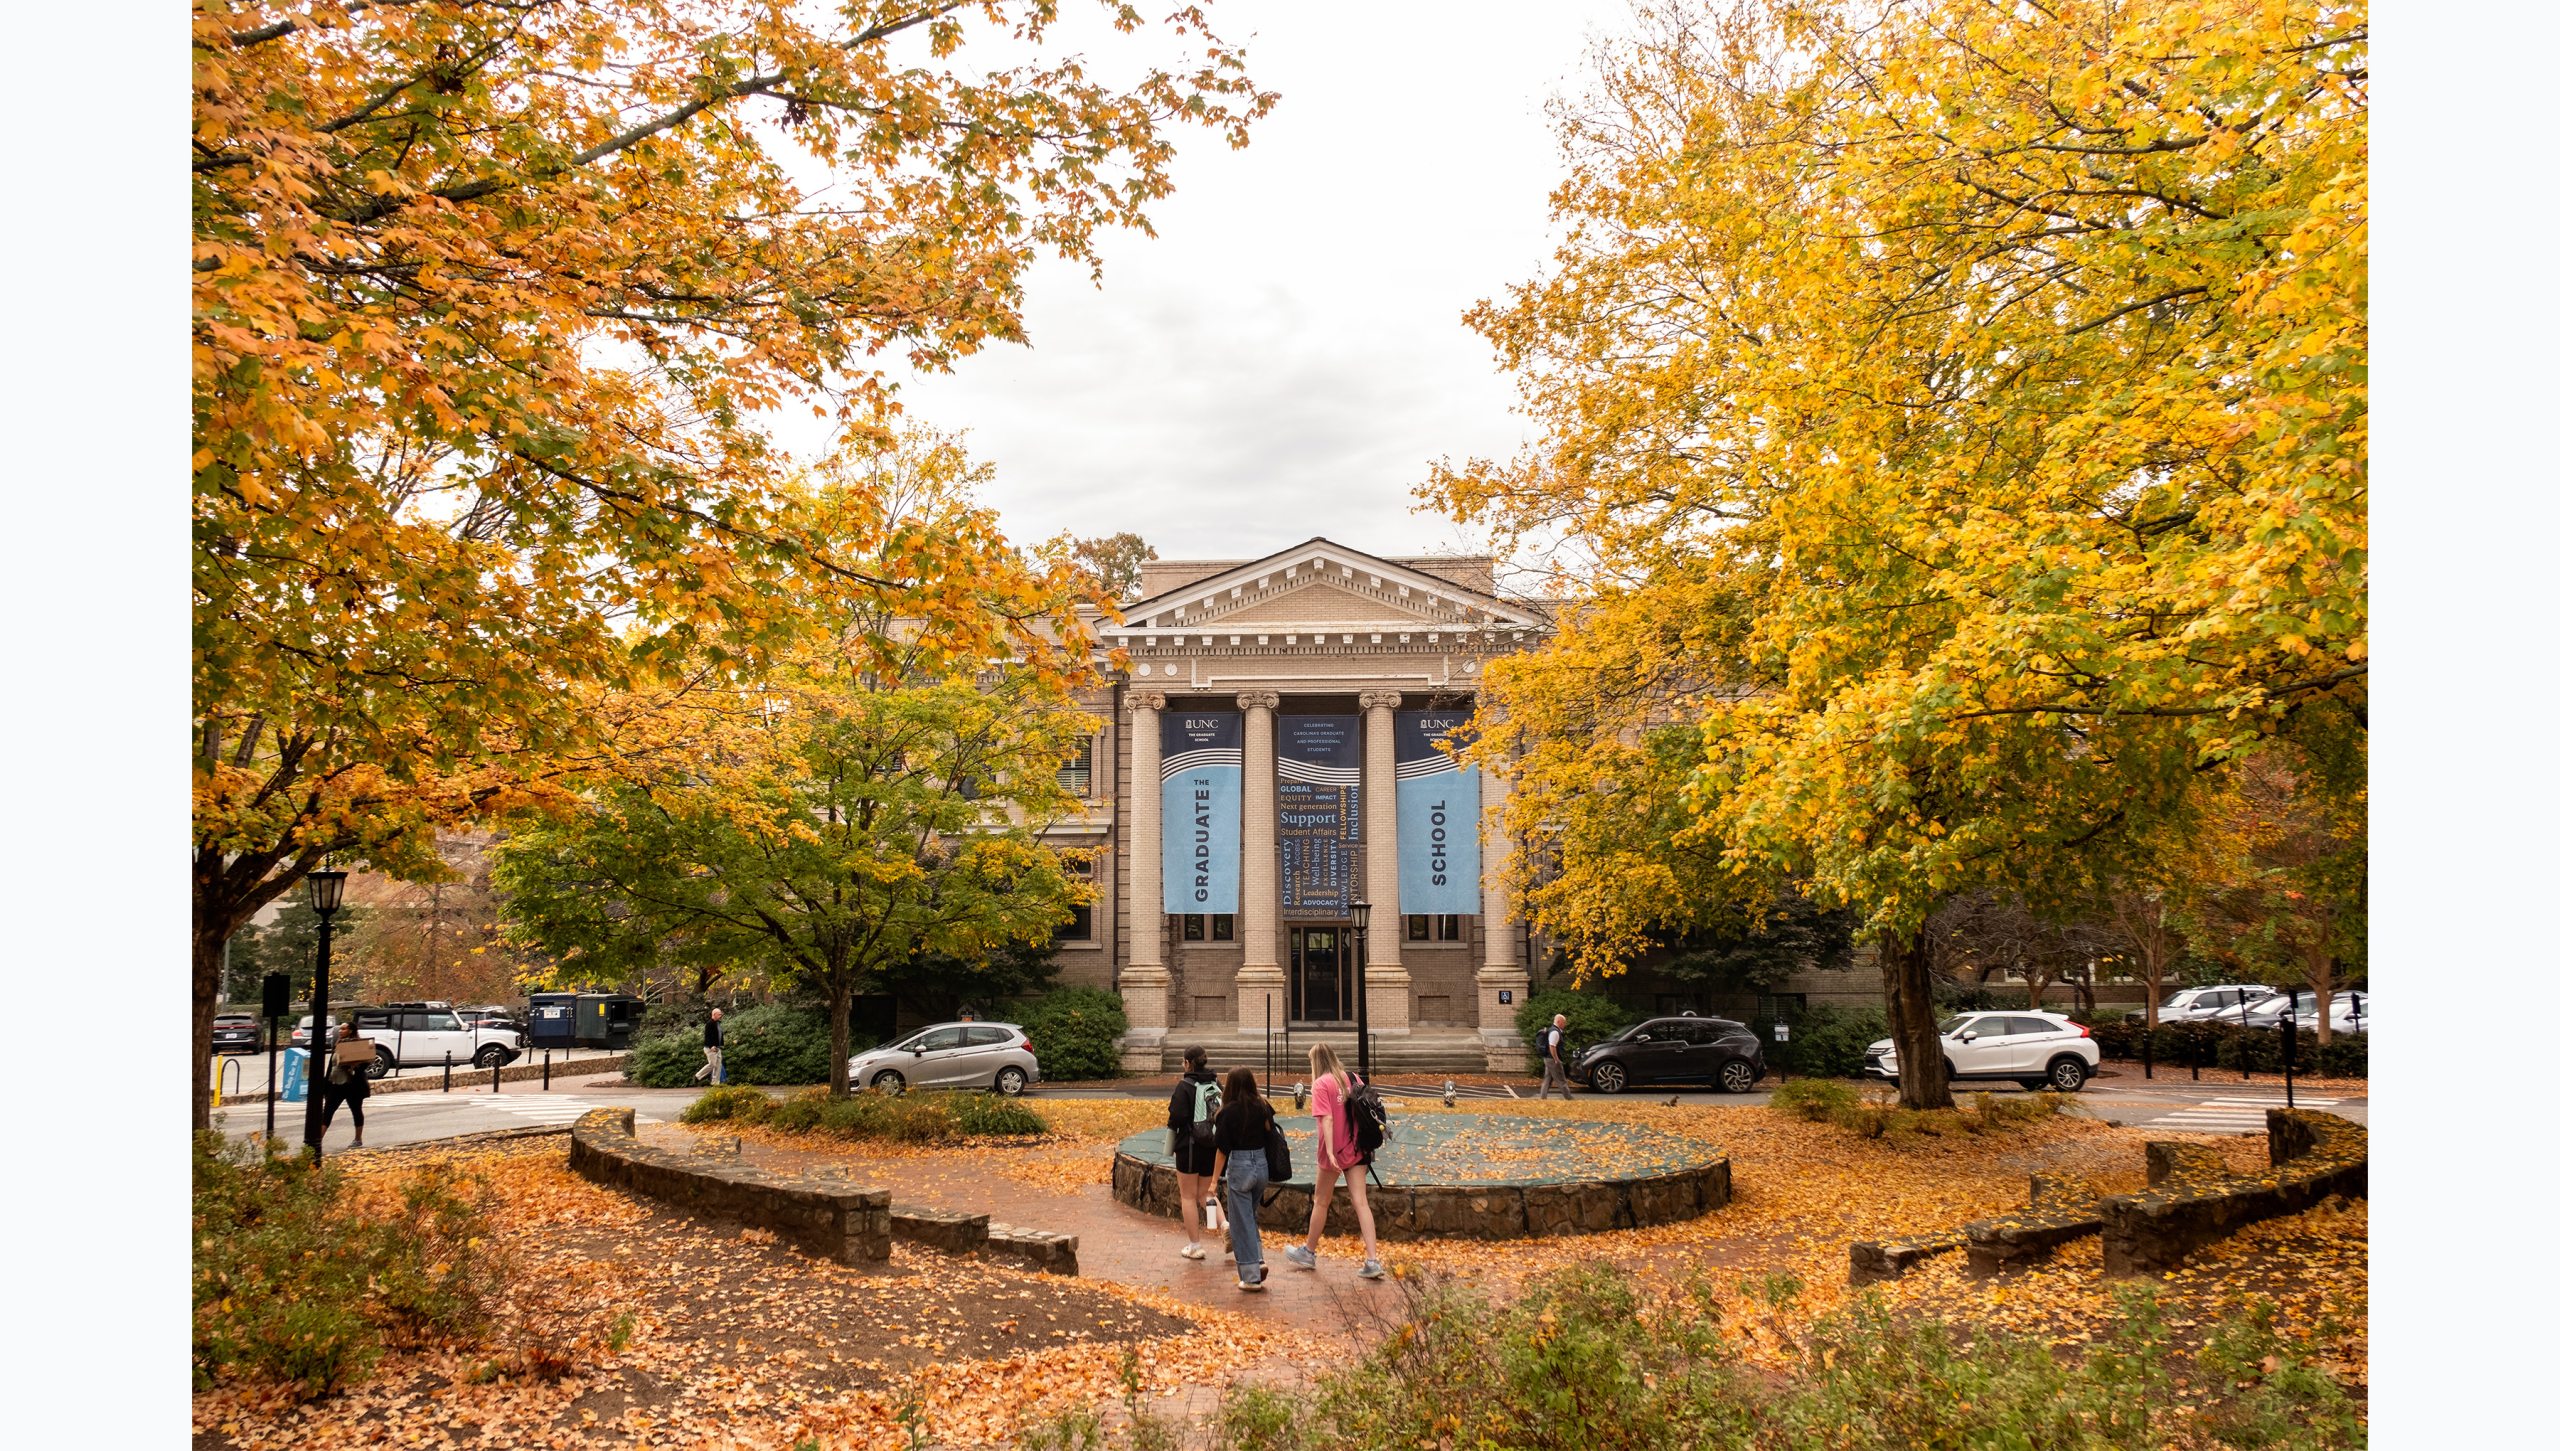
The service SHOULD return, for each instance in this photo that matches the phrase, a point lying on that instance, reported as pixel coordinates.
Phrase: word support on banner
(1438, 801)
(1319, 800)
(1203, 777)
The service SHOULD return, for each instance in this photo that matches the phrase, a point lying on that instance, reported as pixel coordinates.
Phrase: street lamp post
(327, 890)
(1360, 930)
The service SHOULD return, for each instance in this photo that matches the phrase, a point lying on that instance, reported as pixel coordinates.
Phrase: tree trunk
(2322, 969)
(839, 1032)
(1915, 1022)
(205, 952)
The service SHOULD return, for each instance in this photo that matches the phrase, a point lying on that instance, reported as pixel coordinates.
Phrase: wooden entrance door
(1319, 975)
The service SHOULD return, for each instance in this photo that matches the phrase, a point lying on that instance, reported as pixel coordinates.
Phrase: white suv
(2204, 1002)
(2035, 1049)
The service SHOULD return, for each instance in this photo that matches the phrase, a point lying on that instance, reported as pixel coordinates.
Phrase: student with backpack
(1247, 1129)
(1193, 1118)
(1350, 1124)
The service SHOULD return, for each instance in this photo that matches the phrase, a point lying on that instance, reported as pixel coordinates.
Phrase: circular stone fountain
(1478, 1176)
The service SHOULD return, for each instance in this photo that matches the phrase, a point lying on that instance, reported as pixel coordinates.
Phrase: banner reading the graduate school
(1203, 809)
(1437, 800)
(1319, 794)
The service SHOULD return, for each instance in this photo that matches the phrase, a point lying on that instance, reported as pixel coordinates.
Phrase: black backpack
(1368, 1120)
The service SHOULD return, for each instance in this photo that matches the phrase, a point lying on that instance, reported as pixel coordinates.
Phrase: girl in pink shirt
(1337, 1157)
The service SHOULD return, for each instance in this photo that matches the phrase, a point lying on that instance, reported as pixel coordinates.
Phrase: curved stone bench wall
(2311, 1156)
(1465, 1211)
(822, 1212)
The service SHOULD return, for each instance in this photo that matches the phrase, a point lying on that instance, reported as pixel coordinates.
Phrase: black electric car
(1719, 1051)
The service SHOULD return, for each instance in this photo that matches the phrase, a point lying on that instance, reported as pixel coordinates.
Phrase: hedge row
(916, 1118)
(2230, 1045)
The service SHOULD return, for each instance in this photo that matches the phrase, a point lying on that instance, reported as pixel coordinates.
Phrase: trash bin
(554, 1021)
(608, 1020)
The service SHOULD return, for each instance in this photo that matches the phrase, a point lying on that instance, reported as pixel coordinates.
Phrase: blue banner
(1438, 859)
(1319, 768)
(1203, 782)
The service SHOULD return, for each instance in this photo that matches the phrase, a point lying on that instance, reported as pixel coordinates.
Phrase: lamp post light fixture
(1360, 930)
(328, 890)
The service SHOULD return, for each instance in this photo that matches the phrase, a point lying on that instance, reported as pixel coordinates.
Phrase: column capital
(1380, 700)
(1146, 700)
(1258, 700)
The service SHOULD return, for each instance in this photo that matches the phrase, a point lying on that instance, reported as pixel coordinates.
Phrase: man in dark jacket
(711, 1065)
(1195, 1155)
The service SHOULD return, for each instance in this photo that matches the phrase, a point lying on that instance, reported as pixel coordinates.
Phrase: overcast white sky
(1286, 357)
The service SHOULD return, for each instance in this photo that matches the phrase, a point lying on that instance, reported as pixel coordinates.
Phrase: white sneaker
(1300, 1256)
(1194, 1252)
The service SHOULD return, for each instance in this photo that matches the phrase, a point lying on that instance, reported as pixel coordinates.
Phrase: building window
(1222, 927)
(1776, 1007)
(1450, 929)
(1075, 773)
(1434, 929)
(1219, 927)
(1417, 929)
(1194, 927)
(1079, 925)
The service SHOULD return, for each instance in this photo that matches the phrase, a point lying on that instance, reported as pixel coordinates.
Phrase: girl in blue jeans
(1244, 1141)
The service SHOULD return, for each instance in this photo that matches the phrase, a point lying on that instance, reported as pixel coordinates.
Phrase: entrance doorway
(1320, 975)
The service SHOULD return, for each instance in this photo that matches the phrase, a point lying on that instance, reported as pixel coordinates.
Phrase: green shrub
(994, 1114)
(294, 1284)
(667, 1060)
(2344, 1057)
(733, 1104)
(1823, 1041)
(1579, 1359)
(776, 1043)
(1816, 1100)
(1076, 1032)
(2229, 1045)
(1588, 1018)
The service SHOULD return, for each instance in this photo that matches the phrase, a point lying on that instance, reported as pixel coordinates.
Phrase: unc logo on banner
(1203, 784)
(1439, 859)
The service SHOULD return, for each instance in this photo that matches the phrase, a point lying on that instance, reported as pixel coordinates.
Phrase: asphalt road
(239, 1073)
(402, 1118)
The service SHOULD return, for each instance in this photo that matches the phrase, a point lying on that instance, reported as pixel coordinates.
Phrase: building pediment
(1323, 586)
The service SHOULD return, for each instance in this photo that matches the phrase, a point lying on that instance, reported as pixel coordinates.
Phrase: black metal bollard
(497, 1067)
(2146, 1052)
(2195, 1066)
(546, 1070)
(2288, 1030)
(448, 1070)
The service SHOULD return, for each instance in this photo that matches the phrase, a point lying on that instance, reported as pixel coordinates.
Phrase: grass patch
(302, 1282)
(1825, 1101)
(910, 1118)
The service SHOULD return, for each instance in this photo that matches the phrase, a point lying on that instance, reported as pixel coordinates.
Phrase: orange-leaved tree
(492, 301)
(1954, 413)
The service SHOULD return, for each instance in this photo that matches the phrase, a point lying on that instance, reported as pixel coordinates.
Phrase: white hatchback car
(2034, 1049)
(2204, 1002)
(2349, 1012)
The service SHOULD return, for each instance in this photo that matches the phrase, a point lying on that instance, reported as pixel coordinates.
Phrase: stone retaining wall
(2312, 1156)
(1464, 1211)
(822, 1211)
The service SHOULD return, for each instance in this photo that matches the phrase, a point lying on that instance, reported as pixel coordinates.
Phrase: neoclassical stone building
(1274, 754)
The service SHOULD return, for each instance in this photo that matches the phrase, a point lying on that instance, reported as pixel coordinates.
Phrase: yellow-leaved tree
(1953, 414)
(492, 299)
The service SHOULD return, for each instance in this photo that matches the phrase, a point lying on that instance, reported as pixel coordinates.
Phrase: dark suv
(1673, 1050)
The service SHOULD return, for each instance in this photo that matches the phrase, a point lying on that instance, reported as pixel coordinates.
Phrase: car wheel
(1010, 1081)
(2066, 1074)
(888, 1080)
(1608, 1077)
(491, 1055)
(383, 1064)
(1736, 1076)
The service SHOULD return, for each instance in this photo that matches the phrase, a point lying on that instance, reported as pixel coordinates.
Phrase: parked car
(2033, 1049)
(1673, 1050)
(2204, 1002)
(2349, 1012)
(421, 1035)
(952, 1055)
(236, 1033)
(502, 1019)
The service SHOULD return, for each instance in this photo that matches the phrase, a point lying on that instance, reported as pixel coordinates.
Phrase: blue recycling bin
(297, 1076)
(554, 1022)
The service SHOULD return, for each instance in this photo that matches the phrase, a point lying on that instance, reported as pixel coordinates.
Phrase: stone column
(1390, 987)
(1260, 984)
(1504, 1050)
(1145, 986)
